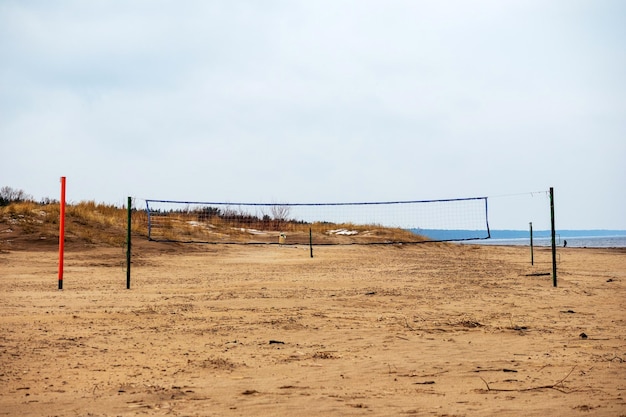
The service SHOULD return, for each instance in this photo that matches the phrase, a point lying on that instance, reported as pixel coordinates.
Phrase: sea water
(572, 241)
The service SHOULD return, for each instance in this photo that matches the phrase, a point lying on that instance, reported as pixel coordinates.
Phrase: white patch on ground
(344, 232)
(251, 231)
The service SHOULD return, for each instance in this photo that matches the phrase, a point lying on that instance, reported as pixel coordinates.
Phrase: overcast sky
(320, 101)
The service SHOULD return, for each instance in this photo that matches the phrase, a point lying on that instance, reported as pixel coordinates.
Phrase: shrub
(10, 195)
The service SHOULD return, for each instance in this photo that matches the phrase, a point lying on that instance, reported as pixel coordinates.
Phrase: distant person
(565, 243)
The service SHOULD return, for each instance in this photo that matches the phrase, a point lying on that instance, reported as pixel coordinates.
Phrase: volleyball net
(318, 223)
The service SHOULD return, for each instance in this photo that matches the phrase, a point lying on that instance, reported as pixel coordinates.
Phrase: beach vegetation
(94, 223)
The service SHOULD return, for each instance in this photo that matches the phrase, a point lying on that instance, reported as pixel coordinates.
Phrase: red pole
(61, 233)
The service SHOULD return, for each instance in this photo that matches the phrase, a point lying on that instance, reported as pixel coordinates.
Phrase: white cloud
(329, 100)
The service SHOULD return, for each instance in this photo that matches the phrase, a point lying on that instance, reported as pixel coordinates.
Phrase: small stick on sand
(552, 386)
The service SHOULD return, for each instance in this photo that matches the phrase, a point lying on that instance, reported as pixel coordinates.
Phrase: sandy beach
(265, 330)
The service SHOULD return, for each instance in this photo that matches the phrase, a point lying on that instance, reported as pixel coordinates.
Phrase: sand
(224, 330)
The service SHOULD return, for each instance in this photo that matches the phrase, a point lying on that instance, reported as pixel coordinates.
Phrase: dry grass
(91, 223)
(85, 223)
(179, 227)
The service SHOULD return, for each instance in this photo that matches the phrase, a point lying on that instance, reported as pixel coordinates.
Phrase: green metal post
(553, 236)
(311, 241)
(532, 257)
(128, 240)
